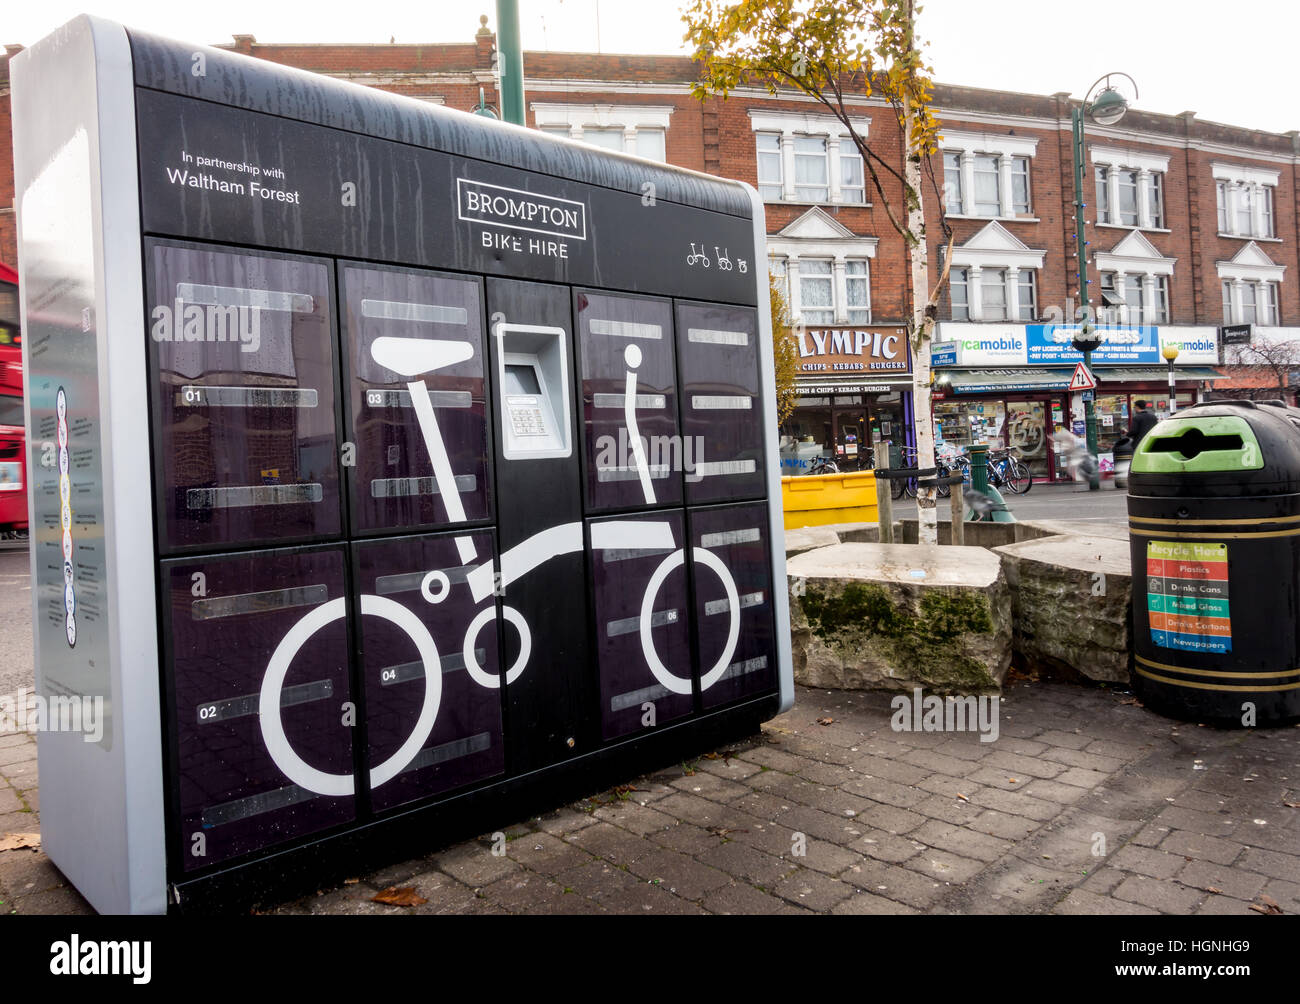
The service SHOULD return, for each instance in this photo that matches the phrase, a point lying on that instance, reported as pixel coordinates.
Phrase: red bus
(13, 438)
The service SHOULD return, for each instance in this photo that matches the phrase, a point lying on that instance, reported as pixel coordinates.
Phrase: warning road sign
(1082, 379)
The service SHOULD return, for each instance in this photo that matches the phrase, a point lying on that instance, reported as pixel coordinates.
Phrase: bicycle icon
(415, 358)
(724, 262)
(698, 257)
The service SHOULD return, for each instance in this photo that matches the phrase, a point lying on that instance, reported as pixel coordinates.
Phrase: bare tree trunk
(920, 328)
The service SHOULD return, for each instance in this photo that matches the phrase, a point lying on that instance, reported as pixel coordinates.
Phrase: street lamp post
(1107, 108)
(1170, 351)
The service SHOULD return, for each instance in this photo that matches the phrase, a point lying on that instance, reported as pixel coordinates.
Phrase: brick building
(1192, 225)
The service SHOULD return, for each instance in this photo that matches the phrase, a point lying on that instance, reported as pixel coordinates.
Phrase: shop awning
(1153, 374)
(983, 381)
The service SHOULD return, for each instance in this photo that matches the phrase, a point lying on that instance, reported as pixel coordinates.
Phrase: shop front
(855, 393)
(1009, 386)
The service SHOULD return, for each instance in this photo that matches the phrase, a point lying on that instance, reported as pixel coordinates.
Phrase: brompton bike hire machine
(411, 472)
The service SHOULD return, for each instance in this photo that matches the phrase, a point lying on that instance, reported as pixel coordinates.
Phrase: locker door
(643, 638)
(243, 368)
(732, 577)
(417, 397)
(257, 670)
(427, 735)
(626, 348)
(722, 414)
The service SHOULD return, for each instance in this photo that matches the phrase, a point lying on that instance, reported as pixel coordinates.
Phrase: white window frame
(839, 147)
(577, 119)
(791, 252)
(994, 248)
(1111, 163)
(827, 278)
(1253, 190)
(1250, 270)
(1007, 150)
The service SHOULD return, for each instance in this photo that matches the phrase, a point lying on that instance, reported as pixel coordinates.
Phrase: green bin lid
(1235, 448)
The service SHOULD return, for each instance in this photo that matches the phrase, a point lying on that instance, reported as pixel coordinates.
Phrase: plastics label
(1187, 596)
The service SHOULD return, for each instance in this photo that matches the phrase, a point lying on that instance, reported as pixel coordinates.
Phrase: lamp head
(1170, 351)
(1108, 107)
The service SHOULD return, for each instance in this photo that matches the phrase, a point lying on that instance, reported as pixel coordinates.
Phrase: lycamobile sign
(1003, 345)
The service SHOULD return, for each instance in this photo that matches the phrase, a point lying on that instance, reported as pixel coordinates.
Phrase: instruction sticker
(1187, 596)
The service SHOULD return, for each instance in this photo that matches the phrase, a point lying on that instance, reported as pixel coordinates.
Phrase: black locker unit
(463, 471)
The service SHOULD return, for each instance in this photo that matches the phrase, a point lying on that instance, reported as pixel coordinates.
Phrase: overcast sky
(1228, 62)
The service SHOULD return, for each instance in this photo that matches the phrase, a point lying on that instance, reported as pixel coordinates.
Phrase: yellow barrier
(822, 499)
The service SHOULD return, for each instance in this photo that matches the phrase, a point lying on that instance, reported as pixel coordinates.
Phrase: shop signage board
(832, 350)
(457, 485)
(1002, 345)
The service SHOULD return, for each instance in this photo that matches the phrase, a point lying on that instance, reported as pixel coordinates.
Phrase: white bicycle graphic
(414, 358)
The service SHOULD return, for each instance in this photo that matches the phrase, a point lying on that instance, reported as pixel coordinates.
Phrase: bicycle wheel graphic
(277, 743)
(668, 680)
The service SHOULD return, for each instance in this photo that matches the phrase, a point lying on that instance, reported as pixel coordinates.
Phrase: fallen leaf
(20, 841)
(825, 721)
(399, 896)
(712, 756)
(1267, 905)
(351, 881)
(1213, 888)
(1292, 805)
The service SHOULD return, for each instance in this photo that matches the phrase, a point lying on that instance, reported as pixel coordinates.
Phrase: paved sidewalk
(1086, 803)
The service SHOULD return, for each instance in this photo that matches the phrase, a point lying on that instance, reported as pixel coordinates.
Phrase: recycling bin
(1122, 454)
(1214, 525)
(413, 472)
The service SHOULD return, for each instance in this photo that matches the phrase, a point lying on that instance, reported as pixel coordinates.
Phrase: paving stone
(776, 839)
(892, 882)
(763, 805)
(813, 890)
(748, 864)
(879, 789)
(1224, 905)
(823, 825)
(9, 801)
(1209, 823)
(939, 763)
(530, 893)
(949, 786)
(614, 844)
(1270, 863)
(1145, 861)
(711, 786)
(1054, 791)
(1285, 839)
(1118, 750)
(1016, 765)
(823, 856)
(474, 864)
(61, 901)
(1003, 824)
(639, 819)
(1082, 902)
(1081, 777)
(1197, 845)
(1167, 897)
(865, 904)
(565, 821)
(998, 777)
(1011, 886)
(1207, 876)
(960, 840)
(686, 838)
(775, 759)
(1016, 803)
(887, 846)
(944, 866)
(545, 854)
(1088, 761)
(742, 898)
(444, 894)
(11, 756)
(1285, 894)
(681, 875)
(1068, 740)
(729, 769)
(704, 812)
(950, 810)
(895, 770)
(1104, 880)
